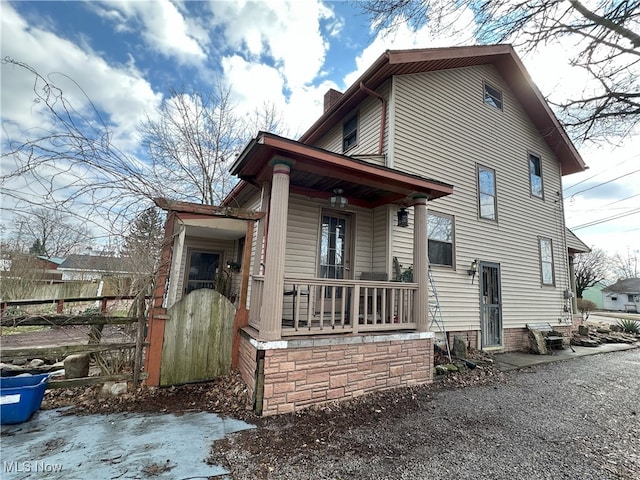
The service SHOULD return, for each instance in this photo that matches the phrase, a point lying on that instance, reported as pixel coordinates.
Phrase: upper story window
(350, 133)
(546, 262)
(487, 198)
(440, 239)
(492, 96)
(535, 174)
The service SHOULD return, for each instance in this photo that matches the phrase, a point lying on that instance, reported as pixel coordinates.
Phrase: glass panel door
(490, 305)
(202, 270)
(335, 251)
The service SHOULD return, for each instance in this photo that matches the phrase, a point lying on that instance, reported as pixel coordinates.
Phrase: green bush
(629, 326)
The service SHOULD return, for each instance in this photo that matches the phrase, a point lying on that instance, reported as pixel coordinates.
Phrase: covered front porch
(329, 317)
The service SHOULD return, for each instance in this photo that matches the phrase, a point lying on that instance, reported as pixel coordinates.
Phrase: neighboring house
(92, 267)
(624, 295)
(595, 294)
(447, 157)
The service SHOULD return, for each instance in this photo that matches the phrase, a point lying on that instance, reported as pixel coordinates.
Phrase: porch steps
(435, 313)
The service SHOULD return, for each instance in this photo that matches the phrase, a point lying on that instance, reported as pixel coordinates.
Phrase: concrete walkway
(118, 446)
(515, 360)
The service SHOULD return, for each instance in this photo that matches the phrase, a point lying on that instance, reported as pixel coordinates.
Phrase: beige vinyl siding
(380, 239)
(369, 114)
(303, 232)
(443, 130)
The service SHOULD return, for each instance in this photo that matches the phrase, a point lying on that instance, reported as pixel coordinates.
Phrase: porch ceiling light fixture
(337, 200)
(403, 217)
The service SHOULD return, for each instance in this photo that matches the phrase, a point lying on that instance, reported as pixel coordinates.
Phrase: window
(487, 201)
(440, 239)
(535, 174)
(202, 270)
(492, 96)
(350, 133)
(546, 261)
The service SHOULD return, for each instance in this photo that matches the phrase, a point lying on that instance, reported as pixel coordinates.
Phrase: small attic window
(492, 96)
(350, 133)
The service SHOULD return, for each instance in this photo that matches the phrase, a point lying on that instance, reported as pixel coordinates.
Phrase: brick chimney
(331, 98)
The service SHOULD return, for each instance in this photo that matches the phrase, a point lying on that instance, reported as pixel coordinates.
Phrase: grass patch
(24, 329)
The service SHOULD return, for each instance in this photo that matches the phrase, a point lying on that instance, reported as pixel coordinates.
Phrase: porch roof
(502, 57)
(317, 172)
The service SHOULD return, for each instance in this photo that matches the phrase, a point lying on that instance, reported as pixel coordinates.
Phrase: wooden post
(421, 264)
(242, 314)
(157, 314)
(137, 360)
(271, 311)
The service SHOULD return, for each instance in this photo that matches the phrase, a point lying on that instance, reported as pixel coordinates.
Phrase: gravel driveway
(575, 419)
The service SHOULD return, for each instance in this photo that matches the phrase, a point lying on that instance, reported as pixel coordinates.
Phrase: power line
(593, 176)
(604, 183)
(604, 220)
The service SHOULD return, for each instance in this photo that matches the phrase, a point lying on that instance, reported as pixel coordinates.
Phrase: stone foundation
(289, 375)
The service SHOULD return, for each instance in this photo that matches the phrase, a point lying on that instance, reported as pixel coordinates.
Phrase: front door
(335, 251)
(490, 305)
(202, 270)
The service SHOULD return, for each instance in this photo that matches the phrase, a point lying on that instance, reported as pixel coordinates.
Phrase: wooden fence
(94, 346)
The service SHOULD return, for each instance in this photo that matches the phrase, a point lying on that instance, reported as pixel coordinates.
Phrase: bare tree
(627, 266)
(49, 232)
(74, 166)
(606, 34)
(590, 268)
(190, 141)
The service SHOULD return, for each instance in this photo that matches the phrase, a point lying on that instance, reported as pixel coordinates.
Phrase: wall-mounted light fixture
(337, 200)
(473, 268)
(403, 217)
(233, 266)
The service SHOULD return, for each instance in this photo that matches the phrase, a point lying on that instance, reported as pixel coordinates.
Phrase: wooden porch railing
(314, 306)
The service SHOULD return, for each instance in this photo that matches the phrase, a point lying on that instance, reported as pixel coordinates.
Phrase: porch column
(272, 299)
(421, 263)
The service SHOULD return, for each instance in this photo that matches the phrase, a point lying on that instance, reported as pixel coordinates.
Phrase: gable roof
(95, 263)
(574, 244)
(502, 57)
(627, 285)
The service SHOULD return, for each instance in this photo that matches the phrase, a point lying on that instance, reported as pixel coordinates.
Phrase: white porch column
(421, 263)
(271, 312)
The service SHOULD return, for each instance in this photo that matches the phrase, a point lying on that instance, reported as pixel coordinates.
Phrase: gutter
(383, 117)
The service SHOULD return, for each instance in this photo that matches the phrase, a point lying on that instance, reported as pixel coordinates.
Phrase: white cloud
(287, 31)
(165, 29)
(121, 92)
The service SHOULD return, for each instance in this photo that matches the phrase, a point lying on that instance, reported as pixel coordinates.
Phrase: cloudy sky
(126, 55)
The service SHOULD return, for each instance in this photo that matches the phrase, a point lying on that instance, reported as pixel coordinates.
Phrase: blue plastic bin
(20, 397)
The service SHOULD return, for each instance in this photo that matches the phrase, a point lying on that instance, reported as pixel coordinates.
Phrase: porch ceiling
(317, 172)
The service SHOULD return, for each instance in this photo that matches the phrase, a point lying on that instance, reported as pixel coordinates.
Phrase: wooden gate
(197, 338)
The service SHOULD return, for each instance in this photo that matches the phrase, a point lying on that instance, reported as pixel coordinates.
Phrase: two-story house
(437, 164)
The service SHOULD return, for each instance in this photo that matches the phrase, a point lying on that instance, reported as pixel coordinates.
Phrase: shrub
(586, 307)
(629, 326)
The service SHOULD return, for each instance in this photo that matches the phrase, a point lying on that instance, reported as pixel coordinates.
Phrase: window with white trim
(546, 261)
(440, 239)
(535, 175)
(487, 198)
